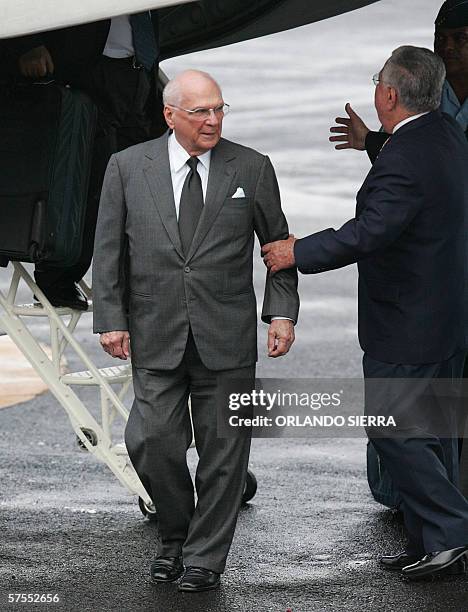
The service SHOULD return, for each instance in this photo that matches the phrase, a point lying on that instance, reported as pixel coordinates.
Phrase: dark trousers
(422, 454)
(121, 94)
(158, 435)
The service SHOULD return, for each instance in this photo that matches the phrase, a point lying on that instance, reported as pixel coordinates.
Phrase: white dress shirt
(120, 38)
(178, 157)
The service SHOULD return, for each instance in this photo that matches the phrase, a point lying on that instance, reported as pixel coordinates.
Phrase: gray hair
(418, 75)
(173, 91)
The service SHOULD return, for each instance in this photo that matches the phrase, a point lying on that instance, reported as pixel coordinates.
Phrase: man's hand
(353, 131)
(116, 343)
(36, 63)
(279, 255)
(280, 337)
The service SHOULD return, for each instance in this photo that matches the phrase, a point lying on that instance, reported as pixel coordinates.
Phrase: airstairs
(94, 431)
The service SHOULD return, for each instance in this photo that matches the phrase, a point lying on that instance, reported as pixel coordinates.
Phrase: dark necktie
(145, 44)
(191, 205)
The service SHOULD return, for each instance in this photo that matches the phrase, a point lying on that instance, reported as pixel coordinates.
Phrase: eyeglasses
(376, 79)
(202, 114)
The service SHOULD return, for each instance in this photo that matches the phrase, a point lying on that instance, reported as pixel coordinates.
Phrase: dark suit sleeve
(109, 261)
(393, 197)
(374, 143)
(281, 297)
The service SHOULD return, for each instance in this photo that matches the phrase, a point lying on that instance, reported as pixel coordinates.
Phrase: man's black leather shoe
(198, 579)
(66, 297)
(434, 562)
(166, 569)
(397, 562)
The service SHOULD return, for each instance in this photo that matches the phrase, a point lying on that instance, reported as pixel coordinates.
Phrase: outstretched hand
(352, 130)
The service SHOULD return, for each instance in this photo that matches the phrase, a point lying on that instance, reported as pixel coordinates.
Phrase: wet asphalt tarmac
(310, 539)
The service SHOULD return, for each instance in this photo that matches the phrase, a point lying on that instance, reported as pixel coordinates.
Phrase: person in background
(115, 61)
(451, 44)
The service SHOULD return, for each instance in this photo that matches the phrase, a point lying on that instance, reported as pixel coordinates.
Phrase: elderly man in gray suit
(173, 274)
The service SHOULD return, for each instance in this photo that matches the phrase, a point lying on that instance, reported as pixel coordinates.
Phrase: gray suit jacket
(142, 281)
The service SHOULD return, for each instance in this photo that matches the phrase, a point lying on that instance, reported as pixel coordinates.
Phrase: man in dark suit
(175, 234)
(114, 61)
(451, 44)
(409, 239)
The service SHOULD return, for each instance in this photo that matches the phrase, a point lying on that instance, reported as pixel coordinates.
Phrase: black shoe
(397, 562)
(434, 562)
(198, 579)
(66, 297)
(166, 569)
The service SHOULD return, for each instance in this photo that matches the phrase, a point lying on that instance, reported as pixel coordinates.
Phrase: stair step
(112, 375)
(120, 449)
(37, 310)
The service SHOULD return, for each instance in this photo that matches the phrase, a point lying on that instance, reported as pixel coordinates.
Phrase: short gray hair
(172, 93)
(418, 75)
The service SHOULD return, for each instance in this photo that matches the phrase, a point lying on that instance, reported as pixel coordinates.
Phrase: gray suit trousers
(158, 435)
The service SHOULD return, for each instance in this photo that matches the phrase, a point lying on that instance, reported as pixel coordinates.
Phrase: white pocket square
(239, 193)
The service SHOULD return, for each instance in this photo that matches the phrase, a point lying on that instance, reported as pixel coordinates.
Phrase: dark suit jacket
(73, 49)
(209, 289)
(409, 238)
